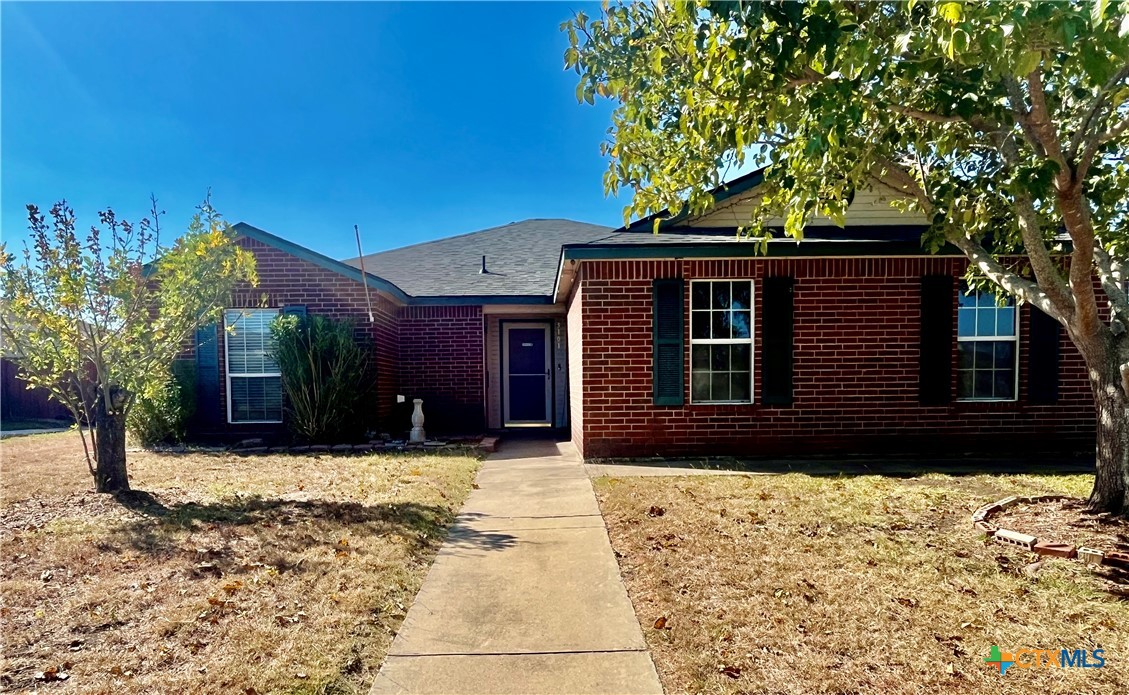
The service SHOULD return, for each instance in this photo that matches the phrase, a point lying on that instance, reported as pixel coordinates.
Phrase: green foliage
(1003, 123)
(162, 413)
(998, 120)
(328, 377)
(103, 316)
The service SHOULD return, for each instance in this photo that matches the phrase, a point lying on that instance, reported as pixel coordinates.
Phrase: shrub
(161, 413)
(327, 376)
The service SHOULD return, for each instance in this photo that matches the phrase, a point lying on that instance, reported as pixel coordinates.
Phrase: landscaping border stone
(1089, 556)
(256, 446)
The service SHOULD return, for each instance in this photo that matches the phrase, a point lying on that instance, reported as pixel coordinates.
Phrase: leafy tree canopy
(98, 319)
(1004, 123)
(973, 109)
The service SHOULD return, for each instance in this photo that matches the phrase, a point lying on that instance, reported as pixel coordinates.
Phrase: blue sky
(415, 121)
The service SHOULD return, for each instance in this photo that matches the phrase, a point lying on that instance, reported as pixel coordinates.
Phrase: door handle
(548, 374)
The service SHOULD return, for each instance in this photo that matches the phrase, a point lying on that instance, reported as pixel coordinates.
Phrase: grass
(854, 584)
(229, 574)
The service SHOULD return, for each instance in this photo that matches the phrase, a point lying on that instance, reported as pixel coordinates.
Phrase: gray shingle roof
(522, 258)
(706, 235)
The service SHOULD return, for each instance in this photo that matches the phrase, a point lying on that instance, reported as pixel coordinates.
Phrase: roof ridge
(467, 234)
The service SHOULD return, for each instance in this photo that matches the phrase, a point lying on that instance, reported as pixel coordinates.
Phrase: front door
(527, 377)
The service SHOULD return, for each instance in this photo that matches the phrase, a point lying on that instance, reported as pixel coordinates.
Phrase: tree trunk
(109, 427)
(1112, 479)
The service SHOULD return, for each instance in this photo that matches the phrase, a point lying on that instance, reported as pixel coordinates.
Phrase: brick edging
(1089, 556)
(485, 444)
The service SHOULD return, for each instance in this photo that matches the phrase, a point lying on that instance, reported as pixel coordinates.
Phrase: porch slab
(525, 596)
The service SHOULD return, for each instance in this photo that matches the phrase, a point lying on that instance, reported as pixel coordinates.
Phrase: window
(987, 348)
(254, 382)
(721, 341)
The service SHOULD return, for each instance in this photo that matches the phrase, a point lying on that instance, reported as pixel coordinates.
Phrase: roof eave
(374, 281)
(723, 192)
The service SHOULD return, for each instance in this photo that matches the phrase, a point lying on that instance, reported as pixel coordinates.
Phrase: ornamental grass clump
(327, 376)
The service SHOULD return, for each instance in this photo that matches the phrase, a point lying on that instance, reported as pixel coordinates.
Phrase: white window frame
(725, 341)
(990, 339)
(243, 375)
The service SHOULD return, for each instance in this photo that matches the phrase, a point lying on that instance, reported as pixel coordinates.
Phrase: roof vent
(484, 271)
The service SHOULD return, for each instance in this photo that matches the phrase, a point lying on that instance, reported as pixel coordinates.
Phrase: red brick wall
(856, 369)
(576, 366)
(441, 361)
(286, 279)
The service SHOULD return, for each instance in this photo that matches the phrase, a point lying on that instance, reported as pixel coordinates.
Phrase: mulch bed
(1066, 521)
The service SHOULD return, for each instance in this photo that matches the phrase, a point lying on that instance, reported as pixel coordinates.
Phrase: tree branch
(1091, 111)
(1094, 144)
(1046, 271)
(1044, 128)
(1112, 284)
(1011, 281)
(1020, 112)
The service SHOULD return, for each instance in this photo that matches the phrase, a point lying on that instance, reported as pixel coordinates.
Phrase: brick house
(691, 341)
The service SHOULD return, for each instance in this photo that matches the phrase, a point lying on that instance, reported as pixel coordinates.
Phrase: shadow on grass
(284, 528)
(892, 466)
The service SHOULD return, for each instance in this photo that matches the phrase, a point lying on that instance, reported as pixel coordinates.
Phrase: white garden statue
(418, 435)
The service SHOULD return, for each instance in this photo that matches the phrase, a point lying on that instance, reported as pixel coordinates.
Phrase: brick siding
(576, 366)
(857, 334)
(441, 361)
(285, 279)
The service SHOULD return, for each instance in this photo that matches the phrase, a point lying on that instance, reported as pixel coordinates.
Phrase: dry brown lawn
(229, 574)
(820, 584)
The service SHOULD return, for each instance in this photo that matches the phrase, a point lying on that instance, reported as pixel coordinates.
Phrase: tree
(1005, 123)
(95, 321)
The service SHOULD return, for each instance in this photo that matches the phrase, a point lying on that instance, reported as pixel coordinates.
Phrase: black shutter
(776, 341)
(1042, 364)
(667, 367)
(936, 368)
(208, 406)
(298, 310)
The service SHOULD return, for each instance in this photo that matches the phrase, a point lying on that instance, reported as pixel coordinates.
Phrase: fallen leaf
(660, 623)
(52, 674)
(232, 587)
(655, 510)
(731, 671)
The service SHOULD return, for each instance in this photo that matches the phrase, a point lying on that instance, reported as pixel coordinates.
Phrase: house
(855, 340)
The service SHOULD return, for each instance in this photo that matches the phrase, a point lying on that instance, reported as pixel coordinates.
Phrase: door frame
(504, 327)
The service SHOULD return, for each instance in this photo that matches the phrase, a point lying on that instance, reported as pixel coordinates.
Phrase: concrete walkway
(525, 596)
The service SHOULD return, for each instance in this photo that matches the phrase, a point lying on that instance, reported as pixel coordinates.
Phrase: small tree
(1005, 123)
(95, 321)
(327, 375)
